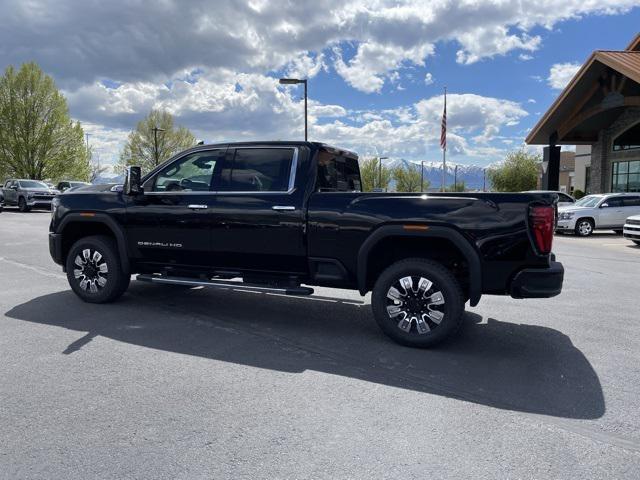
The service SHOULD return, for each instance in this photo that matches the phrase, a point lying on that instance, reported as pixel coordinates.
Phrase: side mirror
(604, 205)
(13, 187)
(132, 181)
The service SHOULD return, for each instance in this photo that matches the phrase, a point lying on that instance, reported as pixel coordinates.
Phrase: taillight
(542, 219)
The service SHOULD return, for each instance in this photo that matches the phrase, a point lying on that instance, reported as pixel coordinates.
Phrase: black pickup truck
(280, 216)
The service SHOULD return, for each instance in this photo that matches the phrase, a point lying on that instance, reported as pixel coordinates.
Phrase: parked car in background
(564, 200)
(631, 229)
(65, 185)
(28, 194)
(602, 211)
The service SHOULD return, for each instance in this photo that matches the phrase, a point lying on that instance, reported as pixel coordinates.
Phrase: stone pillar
(599, 164)
(551, 177)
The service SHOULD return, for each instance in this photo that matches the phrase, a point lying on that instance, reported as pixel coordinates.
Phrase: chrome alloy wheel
(415, 300)
(585, 228)
(92, 270)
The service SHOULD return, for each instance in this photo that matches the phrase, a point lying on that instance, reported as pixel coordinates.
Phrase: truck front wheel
(94, 271)
(417, 302)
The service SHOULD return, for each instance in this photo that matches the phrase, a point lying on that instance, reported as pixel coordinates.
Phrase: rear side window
(631, 202)
(614, 201)
(337, 173)
(258, 170)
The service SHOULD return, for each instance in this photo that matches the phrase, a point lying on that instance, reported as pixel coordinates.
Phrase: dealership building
(599, 113)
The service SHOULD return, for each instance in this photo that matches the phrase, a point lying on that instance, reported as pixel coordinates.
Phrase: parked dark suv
(281, 216)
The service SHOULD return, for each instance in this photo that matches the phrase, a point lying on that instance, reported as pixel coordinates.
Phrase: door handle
(198, 207)
(283, 207)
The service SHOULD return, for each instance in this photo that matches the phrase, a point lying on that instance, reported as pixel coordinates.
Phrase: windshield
(588, 201)
(78, 184)
(32, 184)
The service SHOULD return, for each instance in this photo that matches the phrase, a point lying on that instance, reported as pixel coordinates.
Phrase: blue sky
(216, 69)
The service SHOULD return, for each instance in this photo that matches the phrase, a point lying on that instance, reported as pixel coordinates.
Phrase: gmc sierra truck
(284, 216)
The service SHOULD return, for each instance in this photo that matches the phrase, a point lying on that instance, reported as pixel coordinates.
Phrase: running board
(223, 284)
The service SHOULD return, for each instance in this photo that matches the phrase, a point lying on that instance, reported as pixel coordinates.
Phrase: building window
(625, 177)
(629, 140)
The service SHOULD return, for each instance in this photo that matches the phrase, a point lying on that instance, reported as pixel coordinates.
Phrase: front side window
(258, 170)
(191, 173)
(613, 202)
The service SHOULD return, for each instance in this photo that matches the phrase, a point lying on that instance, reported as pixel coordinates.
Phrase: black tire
(584, 227)
(618, 232)
(22, 205)
(637, 242)
(109, 284)
(450, 310)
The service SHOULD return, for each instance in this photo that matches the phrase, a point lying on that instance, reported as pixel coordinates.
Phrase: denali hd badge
(160, 244)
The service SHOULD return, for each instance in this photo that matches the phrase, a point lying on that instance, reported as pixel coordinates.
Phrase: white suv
(607, 210)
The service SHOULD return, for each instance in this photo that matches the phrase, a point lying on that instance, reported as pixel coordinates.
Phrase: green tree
(518, 172)
(370, 174)
(140, 148)
(457, 187)
(38, 139)
(408, 178)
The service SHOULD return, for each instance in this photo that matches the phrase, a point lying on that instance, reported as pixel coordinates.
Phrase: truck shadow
(505, 365)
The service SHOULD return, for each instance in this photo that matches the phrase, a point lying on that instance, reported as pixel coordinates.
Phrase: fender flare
(462, 244)
(110, 223)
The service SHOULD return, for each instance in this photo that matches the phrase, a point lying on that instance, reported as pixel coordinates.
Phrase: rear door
(258, 218)
(170, 224)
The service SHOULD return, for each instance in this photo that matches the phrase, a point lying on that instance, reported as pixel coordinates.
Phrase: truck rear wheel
(417, 302)
(94, 271)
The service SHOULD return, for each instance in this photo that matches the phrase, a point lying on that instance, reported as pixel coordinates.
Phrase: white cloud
(128, 41)
(525, 57)
(561, 74)
(428, 79)
(373, 62)
(531, 100)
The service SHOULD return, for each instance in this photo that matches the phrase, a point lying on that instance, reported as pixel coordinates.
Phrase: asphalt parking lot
(201, 383)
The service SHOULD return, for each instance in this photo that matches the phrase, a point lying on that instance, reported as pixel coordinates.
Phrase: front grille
(632, 229)
(631, 221)
(43, 197)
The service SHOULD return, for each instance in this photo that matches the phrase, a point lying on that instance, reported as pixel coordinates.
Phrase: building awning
(607, 83)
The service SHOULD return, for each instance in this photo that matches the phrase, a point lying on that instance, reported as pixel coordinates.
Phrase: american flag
(443, 131)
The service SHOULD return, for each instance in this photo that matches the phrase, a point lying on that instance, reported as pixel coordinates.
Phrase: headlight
(30, 194)
(566, 215)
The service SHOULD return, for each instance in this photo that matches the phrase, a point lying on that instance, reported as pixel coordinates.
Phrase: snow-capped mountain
(471, 175)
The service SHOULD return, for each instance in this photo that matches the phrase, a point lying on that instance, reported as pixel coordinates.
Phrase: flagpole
(444, 146)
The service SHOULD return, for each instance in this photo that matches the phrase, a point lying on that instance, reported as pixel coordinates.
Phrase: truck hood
(103, 187)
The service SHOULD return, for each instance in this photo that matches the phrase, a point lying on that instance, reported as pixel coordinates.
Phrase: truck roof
(285, 143)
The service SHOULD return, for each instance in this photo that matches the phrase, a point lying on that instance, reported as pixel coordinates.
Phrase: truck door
(258, 218)
(170, 223)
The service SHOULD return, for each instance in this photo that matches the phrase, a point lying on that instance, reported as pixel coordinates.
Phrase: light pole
(422, 176)
(155, 143)
(484, 179)
(380, 171)
(295, 81)
(455, 179)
